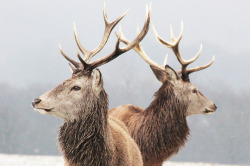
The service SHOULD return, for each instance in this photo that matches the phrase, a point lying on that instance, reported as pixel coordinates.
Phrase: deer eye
(76, 88)
(194, 91)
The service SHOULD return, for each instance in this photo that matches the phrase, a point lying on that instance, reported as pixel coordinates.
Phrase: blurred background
(31, 64)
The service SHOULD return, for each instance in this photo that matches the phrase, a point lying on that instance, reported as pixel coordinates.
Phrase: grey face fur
(197, 103)
(67, 99)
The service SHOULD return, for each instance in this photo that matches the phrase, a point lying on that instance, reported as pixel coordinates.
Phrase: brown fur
(88, 136)
(94, 139)
(161, 129)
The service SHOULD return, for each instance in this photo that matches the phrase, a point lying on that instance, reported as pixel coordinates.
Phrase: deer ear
(97, 82)
(171, 74)
(160, 75)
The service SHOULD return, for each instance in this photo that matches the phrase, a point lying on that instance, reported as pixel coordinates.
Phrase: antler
(138, 48)
(118, 51)
(84, 66)
(174, 45)
(108, 28)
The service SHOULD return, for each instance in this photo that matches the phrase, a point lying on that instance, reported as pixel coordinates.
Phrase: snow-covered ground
(25, 160)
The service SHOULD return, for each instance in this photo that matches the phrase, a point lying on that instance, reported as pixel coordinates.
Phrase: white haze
(31, 31)
(30, 64)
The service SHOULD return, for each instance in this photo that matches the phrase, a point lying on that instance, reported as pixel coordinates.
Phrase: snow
(25, 160)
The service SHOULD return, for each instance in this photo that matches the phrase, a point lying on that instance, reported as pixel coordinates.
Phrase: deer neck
(84, 139)
(165, 118)
(168, 106)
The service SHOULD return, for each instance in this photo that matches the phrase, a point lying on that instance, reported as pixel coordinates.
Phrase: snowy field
(24, 160)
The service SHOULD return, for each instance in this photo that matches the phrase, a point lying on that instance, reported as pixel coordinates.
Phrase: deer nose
(215, 106)
(35, 102)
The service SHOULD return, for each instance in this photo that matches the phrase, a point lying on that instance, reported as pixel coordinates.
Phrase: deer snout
(215, 107)
(35, 102)
(211, 109)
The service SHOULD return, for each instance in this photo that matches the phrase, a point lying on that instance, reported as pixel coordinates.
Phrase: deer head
(197, 103)
(78, 94)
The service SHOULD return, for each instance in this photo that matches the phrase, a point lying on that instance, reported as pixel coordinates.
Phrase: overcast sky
(31, 30)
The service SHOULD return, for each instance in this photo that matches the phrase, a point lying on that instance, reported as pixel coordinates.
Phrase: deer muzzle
(211, 109)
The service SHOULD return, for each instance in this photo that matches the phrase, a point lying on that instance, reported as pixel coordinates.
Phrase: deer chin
(209, 111)
(43, 110)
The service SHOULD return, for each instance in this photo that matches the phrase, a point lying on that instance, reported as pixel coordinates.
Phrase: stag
(161, 129)
(88, 136)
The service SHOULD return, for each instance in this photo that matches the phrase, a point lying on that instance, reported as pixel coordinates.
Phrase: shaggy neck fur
(83, 141)
(163, 128)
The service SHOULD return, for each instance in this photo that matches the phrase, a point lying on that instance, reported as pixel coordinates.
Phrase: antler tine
(195, 57)
(83, 50)
(174, 45)
(138, 48)
(81, 60)
(144, 56)
(72, 68)
(165, 60)
(76, 64)
(118, 51)
(200, 67)
(108, 28)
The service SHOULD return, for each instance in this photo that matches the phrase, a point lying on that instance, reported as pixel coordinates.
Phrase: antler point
(165, 60)
(126, 12)
(104, 5)
(213, 58)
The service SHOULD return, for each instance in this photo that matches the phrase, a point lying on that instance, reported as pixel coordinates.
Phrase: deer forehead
(69, 83)
(185, 86)
(79, 81)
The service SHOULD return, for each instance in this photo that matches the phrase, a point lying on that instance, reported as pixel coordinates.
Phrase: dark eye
(76, 88)
(194, 91)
